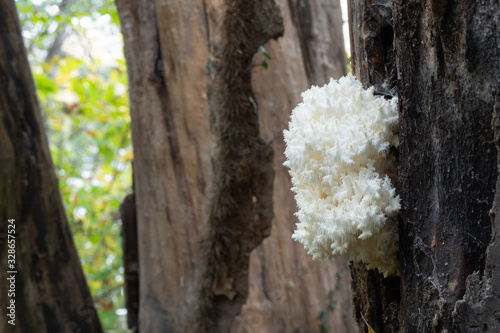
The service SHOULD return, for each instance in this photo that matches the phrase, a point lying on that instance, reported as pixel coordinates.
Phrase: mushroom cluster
(338, 152)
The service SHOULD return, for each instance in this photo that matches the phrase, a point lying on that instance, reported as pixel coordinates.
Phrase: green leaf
(264, 52)
(250, 98)
(264, 64)
(324, 316)
(44, 84)
(94, 239)
(107, 153)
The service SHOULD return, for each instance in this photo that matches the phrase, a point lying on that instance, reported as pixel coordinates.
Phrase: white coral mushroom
(337, 149)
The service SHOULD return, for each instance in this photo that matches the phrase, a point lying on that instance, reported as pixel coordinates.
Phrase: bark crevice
(240, 208)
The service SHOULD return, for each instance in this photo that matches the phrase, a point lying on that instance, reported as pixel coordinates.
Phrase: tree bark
(372, 58)
(51, 294)
(318, 26)
(167, 48)
(130, 260)
(446, 55)
(240, 207)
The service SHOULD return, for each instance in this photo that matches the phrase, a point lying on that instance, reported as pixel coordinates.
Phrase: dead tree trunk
(447, 55)
(448, 83)
(372, 59)
(167, 46)
(49, 290)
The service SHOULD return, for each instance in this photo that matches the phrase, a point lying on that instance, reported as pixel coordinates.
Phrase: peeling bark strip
(372, 58)
(240, 209)
(51, 294)
(447, 56)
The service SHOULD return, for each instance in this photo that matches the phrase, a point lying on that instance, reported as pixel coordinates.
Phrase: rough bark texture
(288, 290)
(478, 310)
(240, 208)
(447, 55)
(372, 59)
(164, 43)
(51, 294)
(448, 83)
(372, 49)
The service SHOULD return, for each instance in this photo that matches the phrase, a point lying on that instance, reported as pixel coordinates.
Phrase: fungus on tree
(338, 152)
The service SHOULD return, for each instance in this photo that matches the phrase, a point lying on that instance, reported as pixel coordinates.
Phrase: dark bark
(372, 49)
(240, 208)
(448, 85)
(478, 311)
(51, 294)
(130, 260)
(447, 55)
(375, 297)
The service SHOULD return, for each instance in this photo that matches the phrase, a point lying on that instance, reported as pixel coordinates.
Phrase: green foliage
(324, 318)
(85, 107)
(266, 55)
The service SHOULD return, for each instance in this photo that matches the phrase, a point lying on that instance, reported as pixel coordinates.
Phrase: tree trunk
(51, 294)
(446, 55)
(370, 27)
(240, 206)
(167, 48)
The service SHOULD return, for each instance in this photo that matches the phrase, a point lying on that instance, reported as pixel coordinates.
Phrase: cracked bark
(478, 310)
(446, 55)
